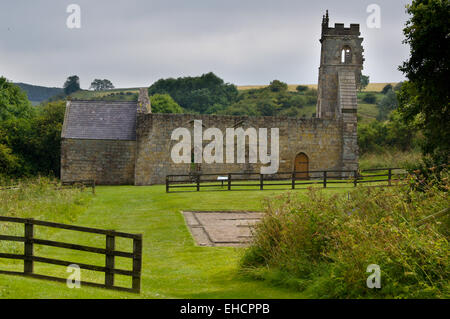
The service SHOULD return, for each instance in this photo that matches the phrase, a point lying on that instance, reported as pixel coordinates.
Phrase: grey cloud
(136, 42)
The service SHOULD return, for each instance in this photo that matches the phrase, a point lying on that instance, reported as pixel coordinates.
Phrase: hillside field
(372, 87)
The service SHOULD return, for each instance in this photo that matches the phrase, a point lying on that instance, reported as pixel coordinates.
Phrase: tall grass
(324, 245)
(40, 198)
(389, 158)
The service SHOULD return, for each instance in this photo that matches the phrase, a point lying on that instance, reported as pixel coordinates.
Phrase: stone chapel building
(118, 143)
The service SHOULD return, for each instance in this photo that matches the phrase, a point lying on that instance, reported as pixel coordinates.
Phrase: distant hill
(37, 94)
(372, 87)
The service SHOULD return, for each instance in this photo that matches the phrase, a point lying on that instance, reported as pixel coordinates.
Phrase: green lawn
(173, 267)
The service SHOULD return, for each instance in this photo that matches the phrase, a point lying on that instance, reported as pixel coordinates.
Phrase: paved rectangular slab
(222, 228)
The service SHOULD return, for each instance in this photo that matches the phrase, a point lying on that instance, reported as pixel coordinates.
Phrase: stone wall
(108, 162)
(319, 139)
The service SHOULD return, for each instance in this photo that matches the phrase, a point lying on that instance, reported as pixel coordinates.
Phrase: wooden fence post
(198, 182)
(324, 179)
(167, 184)
(137, 263)
(93, 186)
(109, 262)
(28, 247)
(355, 181)
(229, 182)
(261, 181)
(293, 180)
(390, 176)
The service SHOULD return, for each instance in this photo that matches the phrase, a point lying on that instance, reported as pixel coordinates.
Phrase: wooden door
(301, 166)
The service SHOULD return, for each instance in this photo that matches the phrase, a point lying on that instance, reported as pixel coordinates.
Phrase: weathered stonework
(124, 143)
(320, 140)
(108, 162)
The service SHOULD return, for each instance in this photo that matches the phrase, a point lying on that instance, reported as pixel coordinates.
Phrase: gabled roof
(100, 120)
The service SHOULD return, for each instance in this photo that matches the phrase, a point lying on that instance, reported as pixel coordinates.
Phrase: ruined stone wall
(108, 162)
(319, 139)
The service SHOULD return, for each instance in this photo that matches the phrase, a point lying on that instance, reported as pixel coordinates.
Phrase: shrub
(387, 88)
(301, 88)
(370, 98)
(324, 244)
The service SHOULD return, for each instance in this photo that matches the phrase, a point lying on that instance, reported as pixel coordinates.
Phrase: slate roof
(100, 120)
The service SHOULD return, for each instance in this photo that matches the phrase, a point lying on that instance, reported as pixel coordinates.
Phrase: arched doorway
(301, 166)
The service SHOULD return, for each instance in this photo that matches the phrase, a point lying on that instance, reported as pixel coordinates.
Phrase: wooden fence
(109, 251)
(238, 181)
(72, 184)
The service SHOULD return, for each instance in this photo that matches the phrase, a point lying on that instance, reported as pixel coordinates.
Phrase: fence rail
(79, 184)
(109, 251)
(229, 181)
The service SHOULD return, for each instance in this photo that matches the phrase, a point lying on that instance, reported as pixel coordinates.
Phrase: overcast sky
(136, 42)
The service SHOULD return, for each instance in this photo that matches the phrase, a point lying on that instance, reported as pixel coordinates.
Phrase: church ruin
(118, 143)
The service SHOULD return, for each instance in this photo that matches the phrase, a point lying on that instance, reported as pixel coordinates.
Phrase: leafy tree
(163, 103)
(364, 82)
(301, 88)
(101, 85)
(267, 107)
(72, 84)
(387, 88)
(46, 138)
(15, 113)
(425, 98)
(197, 94)
(393, 133)
(13, 101)
(387, 104)
(278, 86)
(398, 87)
(370, 98)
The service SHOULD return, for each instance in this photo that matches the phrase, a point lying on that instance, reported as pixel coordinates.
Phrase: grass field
(173, 267)
(372, 87)
(87, 94)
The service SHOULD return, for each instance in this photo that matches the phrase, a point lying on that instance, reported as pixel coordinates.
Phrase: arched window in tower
(346, 55)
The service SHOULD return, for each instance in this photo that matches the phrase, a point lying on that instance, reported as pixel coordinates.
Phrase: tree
(369, 98)
(278, 86)
(101, 85)
(364, 82)
(163, 103)
(197, 94)
(387, 88)
(15, 115)
(425, 98)
(13, 101)
(46, 138)
(72, 84)
(387, 104)
(301, 88)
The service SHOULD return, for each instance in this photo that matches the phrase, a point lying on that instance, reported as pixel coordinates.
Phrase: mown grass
(173, 267)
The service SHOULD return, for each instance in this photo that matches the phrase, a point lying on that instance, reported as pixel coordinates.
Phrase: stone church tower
(124, 142)
(341, 63)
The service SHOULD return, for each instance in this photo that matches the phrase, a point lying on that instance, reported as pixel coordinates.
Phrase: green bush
(163, 103)
(323, 245)
(370, 98)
